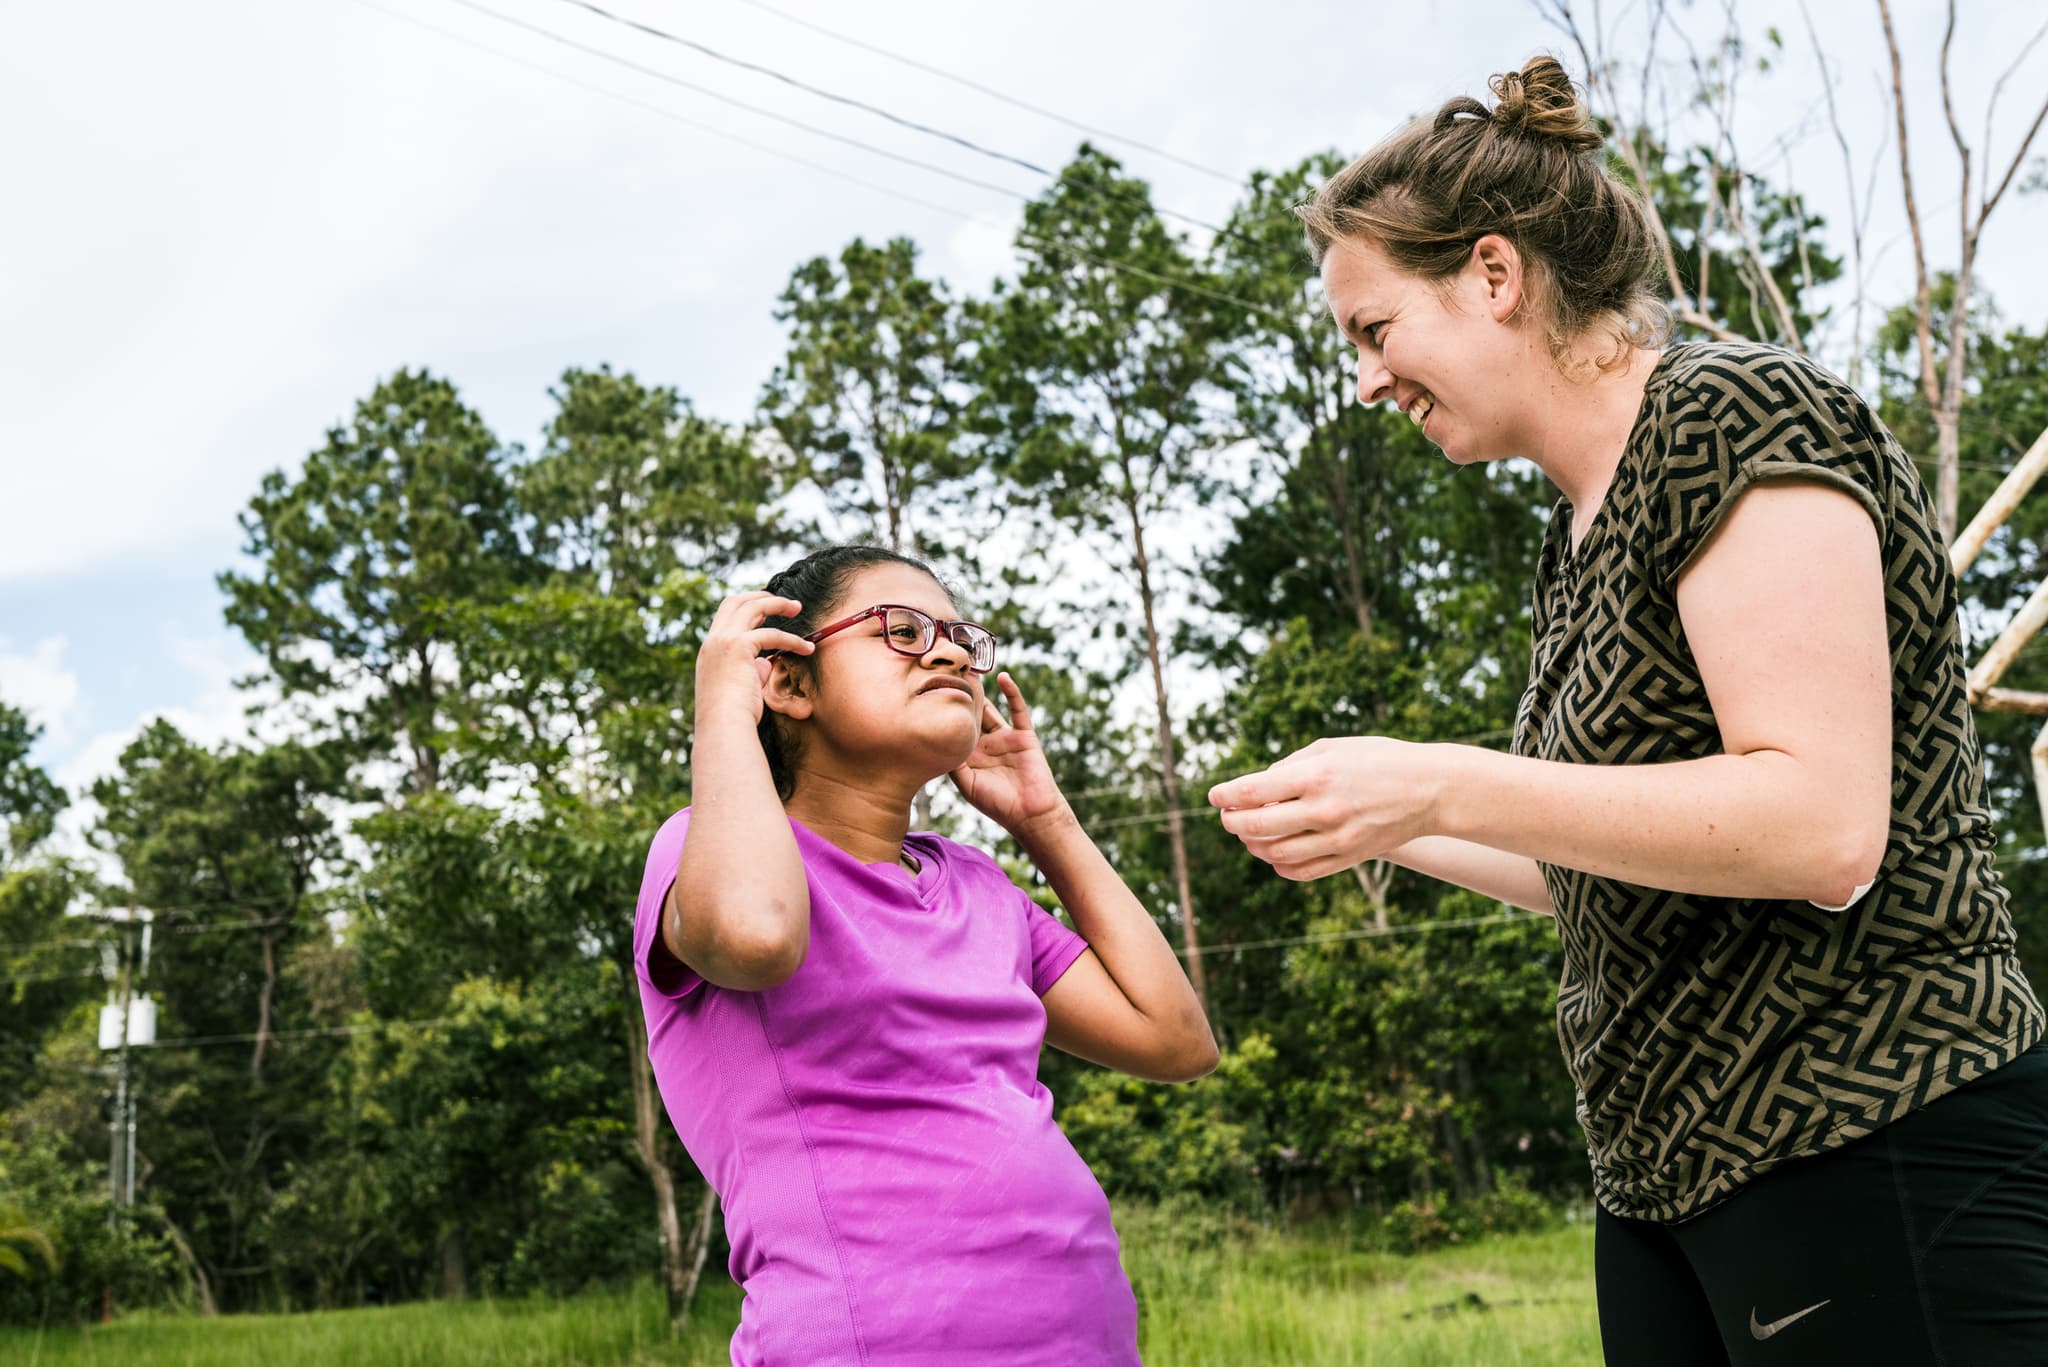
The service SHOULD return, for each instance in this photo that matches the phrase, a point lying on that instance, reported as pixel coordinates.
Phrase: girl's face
(1446, 354)
(869, 710)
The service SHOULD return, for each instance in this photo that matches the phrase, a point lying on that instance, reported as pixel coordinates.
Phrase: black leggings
(1926, 1242)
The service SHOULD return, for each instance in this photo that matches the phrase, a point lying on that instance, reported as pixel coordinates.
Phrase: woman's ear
(786, 688)
(1496, 270)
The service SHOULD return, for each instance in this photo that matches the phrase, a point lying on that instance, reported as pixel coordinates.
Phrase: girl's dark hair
(1529, 169)
(818, 581)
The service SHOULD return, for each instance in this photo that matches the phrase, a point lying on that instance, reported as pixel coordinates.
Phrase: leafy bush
(130, 1261)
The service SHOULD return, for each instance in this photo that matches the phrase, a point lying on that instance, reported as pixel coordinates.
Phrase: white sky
(226, 219)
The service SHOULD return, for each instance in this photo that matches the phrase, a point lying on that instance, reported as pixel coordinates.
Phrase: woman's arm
(1512, 878)
(739, 912)
(1783, 610)
(1125, 1003)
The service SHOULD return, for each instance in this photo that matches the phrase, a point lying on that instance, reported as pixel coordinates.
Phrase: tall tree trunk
(202, 1287)
(1374, 876)
(1947, 458)
(454, 1265)
(700, 1249)
(647, 1120)
(1480, 1172)
(264, 999)
(1169, 773)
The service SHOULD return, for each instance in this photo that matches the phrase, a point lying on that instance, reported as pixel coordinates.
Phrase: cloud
(200, 670)
(979, 251)
(39, 684)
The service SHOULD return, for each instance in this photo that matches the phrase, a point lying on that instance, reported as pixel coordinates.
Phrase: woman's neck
(867, 824)
(1583, 428)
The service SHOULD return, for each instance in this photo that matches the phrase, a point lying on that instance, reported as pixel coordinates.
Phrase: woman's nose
(1375, 381)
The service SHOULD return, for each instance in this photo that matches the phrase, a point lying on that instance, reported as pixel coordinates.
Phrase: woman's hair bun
(1539, 101)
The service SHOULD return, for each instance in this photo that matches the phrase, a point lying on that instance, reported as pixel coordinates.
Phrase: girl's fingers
(991, 719)
(758, 602)
(1020, 715)
(766, 639)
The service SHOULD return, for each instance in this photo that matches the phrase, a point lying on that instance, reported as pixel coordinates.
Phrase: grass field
(1209, 1296)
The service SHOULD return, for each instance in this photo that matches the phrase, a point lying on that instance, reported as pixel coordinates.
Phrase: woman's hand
(1007, 778)
(1332, 804)
(731, 663)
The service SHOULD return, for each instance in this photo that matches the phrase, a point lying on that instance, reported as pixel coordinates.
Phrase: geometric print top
(1713, 1038)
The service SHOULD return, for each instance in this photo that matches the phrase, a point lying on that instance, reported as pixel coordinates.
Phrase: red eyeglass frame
(940, 626)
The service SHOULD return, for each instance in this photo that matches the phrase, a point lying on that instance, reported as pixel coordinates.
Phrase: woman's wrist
(1447, 777)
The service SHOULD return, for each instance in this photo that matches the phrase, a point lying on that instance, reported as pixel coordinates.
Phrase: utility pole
(125, 1020)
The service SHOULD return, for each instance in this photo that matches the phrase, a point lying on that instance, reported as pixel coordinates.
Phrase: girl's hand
(1332, 805)
(731, 663)
(1007, 778)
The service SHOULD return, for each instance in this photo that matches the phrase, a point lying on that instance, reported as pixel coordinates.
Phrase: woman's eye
(905, 633)
(1374, 332)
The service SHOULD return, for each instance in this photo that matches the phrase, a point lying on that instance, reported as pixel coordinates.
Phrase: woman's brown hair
(1529, 169)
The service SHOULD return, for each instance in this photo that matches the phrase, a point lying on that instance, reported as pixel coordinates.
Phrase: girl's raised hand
(1007, 778)
(731, 662)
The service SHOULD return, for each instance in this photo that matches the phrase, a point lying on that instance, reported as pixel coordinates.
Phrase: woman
(1744, 776)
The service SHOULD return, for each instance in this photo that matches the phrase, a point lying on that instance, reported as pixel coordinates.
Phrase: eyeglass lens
(913, 633)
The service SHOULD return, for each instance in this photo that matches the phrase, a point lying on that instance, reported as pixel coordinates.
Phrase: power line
(671, 78)
(772, 74)
(48, 977)
(1373, 933)
(686, 84)
(201, 1041)
(665, 113)
(665, 35)
(1186, 286)
(993, 93)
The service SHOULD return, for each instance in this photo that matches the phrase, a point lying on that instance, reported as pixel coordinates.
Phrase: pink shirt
(894, 1186)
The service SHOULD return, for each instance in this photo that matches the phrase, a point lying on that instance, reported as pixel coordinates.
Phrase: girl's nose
(947, 651)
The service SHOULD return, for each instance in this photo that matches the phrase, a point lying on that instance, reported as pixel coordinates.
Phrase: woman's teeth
(1419, 411)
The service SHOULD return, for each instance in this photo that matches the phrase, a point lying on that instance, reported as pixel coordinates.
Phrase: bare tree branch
(2018, 157)
(1922, 293)
(1998, 86)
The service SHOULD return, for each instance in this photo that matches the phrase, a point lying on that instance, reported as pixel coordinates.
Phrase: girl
(1744, 776)
(845, 1017)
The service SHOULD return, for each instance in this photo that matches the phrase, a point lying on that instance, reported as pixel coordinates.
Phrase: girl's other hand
(1007, 778)
(1332, 804)
(731, 662)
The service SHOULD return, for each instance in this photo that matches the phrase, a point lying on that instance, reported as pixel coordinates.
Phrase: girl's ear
(786, 690)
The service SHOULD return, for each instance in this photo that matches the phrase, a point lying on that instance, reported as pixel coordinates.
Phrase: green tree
(869, 393)
(403, 512)
(227, 849)
(1752, 259)
(29, 802)
(1097, 369)
(637, 511)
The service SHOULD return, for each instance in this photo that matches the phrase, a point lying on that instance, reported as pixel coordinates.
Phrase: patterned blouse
(1713, 1038)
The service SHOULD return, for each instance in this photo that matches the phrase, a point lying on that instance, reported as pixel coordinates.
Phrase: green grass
(1211, 1294)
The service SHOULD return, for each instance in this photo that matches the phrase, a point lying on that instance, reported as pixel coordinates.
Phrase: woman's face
(1444, 353)
(873, 710)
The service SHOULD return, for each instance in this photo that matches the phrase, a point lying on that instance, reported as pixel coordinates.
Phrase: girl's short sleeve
(1739, 420)
(660, 970)
(1054, 946)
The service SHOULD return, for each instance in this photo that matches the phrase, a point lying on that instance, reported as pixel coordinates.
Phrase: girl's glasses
(910, 632)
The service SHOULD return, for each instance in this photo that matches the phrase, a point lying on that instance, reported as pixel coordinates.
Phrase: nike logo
(1760, 1332)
